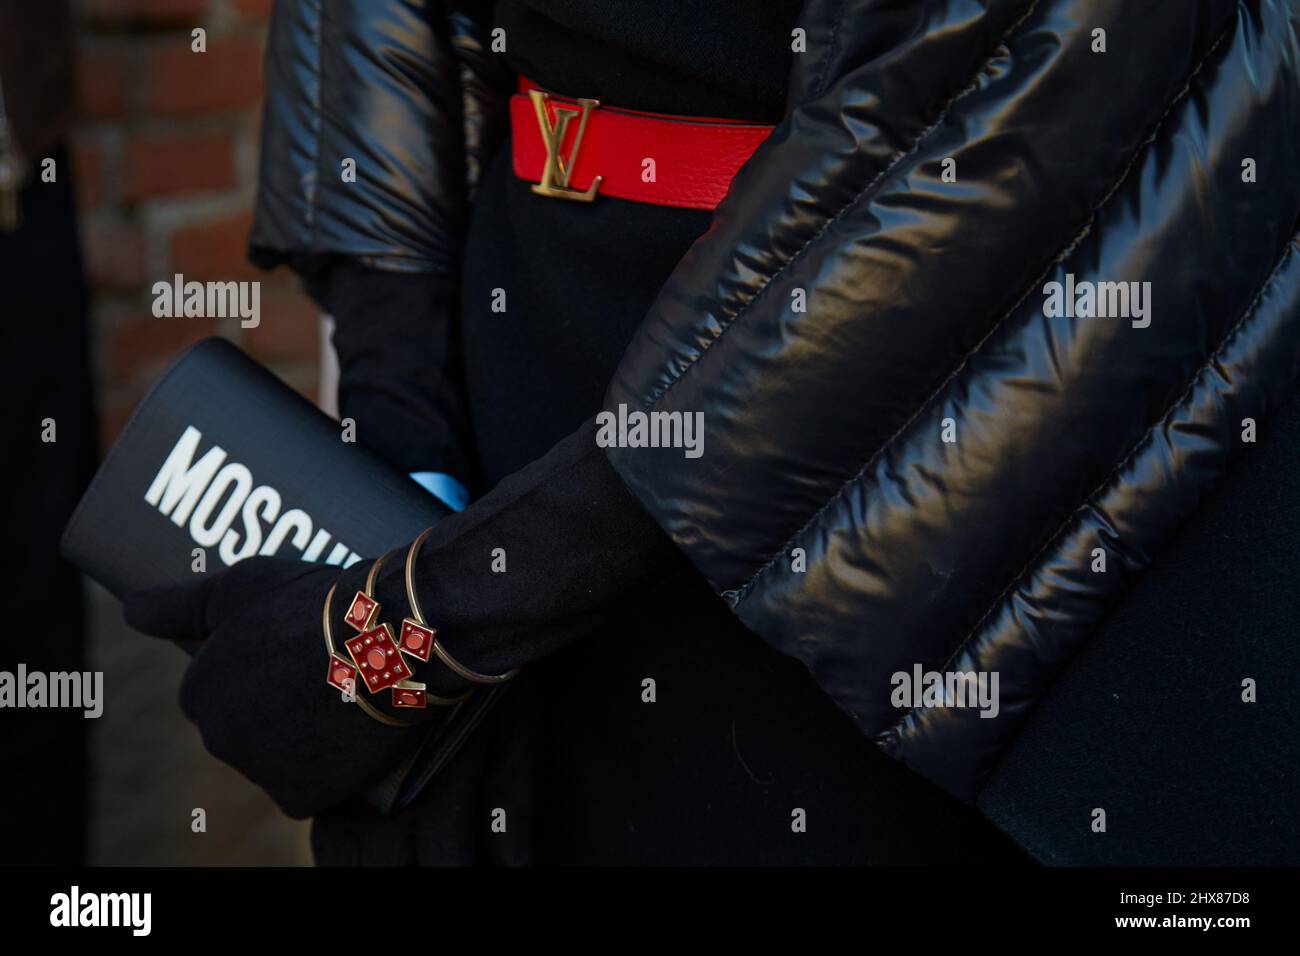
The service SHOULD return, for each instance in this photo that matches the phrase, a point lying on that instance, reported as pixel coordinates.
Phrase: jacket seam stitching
(742, 591)
(798, 254)
(1251, 309)
(818, 88)
(312, 211)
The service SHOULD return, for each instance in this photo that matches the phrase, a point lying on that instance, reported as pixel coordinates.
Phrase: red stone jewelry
(361, 615)
(341, 674)
(409, 694)
(337, 663)
(377, 658)
(417, 640)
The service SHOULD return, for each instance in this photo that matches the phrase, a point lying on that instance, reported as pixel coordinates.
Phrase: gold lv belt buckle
(556, 172)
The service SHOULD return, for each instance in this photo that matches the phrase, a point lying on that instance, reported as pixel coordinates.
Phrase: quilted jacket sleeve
(363, 185)
(362, 144)
(912, 460)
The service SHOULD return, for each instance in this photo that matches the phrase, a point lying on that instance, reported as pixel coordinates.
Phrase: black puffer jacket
(910, 458)
(925, 308)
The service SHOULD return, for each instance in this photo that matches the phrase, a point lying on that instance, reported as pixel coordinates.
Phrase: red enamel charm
(416, 639)
(362, 612)
(377, 658)
(340, 672)
(409, 696)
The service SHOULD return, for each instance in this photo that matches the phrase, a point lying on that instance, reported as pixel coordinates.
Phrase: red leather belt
(578, 149)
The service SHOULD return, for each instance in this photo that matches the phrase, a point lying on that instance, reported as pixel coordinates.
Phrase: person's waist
(575, 148)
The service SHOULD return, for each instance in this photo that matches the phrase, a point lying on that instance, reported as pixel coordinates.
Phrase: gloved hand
(573, 543)
(256, 685)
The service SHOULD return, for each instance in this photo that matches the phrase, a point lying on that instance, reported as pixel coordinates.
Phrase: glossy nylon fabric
(379, 84)
(924, 305)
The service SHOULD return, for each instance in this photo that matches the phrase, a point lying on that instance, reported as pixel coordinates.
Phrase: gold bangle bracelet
(373, 575)
(452, 664)
(434, 699)
(364, 704)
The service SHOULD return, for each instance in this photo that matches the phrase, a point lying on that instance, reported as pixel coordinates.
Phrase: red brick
(88, 171)
(227, 77)
(255, 9)
(114, 255)
(140, 345)
(290, 327)
(214, 250)
(113, 416)
(102, 78)
(158, 13)
(116, 405)
(303, 379)
(166, 165)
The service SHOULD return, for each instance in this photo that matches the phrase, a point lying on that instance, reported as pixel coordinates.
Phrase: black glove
(400, 378)
(574, 543)
(256, 685)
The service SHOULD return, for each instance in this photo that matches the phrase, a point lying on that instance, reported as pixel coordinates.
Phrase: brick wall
(166, 165)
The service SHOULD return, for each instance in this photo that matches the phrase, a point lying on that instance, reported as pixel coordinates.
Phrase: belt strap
(579, 149)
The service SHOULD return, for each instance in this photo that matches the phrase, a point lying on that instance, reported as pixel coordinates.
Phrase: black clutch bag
(222, 456)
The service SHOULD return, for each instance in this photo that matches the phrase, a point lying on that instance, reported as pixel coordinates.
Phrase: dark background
(163, 156)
